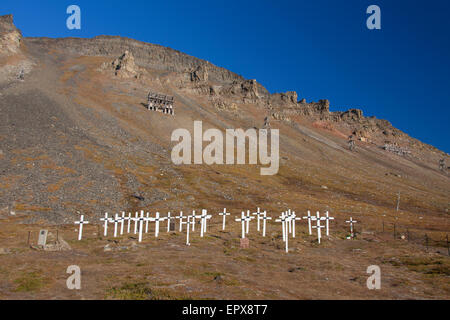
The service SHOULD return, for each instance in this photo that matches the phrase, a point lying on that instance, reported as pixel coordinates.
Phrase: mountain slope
(76, 136)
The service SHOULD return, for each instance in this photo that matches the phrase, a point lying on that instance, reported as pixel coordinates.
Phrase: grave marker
(122, 221)
(289, 220)
(193, 220)
(242, 220)
(351, 221)
(180, 217)
(259, 216)
(205, 216)
(287, 234)
(81, 222)
(309, 222)
(157, 219)
(105, 226)
(282, 219)
(248, 218)
(42, 239)
(116, 220)
(141, 225)
(245, 243)
(169, 218)
(135, 219)
(328, 218)
(264, 218)
(188, 222)
(224, 214)
(318, 226)
(129, 222)
(147, 219)
(293, 219)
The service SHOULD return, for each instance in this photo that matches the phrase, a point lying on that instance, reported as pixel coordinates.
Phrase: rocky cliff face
(222, 87)
(147, 55)
(14, 63)
(10, 36)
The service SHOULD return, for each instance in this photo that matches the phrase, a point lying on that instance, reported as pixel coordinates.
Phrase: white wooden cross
(204, 216)
(180, 217)
(258, 215)
(264, 218)
(328, 218)
(147, 220)
(293, 219)
(81, 222)
(242, 220)
(202, 222)
(282, 219)
(188, 222)
(248, 218)
(122, 221)
(193, 219)
(208, 216)
(141, 225)
(169, 218)
(105, 226)
(309, 222)
(317, 218)
(351, 221)
(129, 222)
(115, 221)
(157, 219)
(195, 216)
(286, 233)
(224, 214)
(289, 220)
(135, 219)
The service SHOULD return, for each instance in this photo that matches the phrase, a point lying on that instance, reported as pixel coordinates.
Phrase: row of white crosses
(287, 220)
(318, 226)
(246, 218)
(204, 217)
(139, 223)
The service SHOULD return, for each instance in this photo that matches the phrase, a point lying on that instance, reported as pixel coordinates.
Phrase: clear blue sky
(321, 49)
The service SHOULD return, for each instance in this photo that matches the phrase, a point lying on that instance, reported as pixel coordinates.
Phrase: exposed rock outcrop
(352, 115)
(287, 98)
(10, 36)
(14, 64)
(200, 74)
(124, 66)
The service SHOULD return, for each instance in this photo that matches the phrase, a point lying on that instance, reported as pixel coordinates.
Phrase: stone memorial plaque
(244, 243)
(42, 240)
